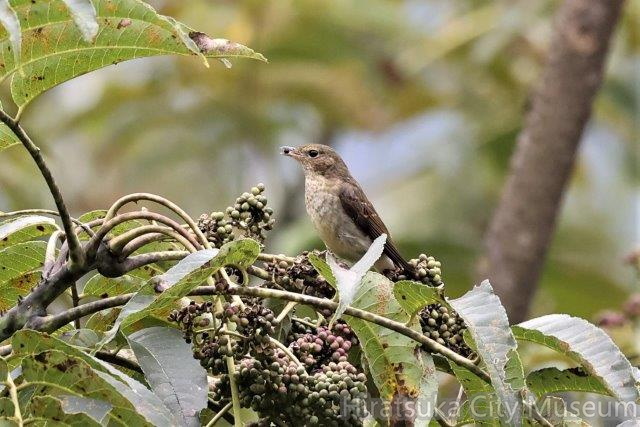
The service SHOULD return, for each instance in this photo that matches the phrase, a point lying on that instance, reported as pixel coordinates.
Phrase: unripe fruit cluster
(248, 217)
(300, 277)
(444, 326)
(426, 270)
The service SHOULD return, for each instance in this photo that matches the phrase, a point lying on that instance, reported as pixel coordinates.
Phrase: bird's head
(317, 158)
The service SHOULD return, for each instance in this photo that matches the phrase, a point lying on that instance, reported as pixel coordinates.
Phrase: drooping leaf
(51, 408)
(589, 346)
(401, 372)
(18, 270)
(487, 323)
(103, 287)
(26, 343)
(55, 47)
(24, 229)
(554, 380)
(413, 296)
(11, 24)
(83, 337)
(348, 280)
(56, 373)
(171, 371)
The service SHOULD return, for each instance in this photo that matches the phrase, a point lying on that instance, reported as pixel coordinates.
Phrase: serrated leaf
(554, 380)
(413, 296)
(18, 270)
(51, 408)
(103, 287)
(171, 371)
(487, 323)
(398, 367)
(24, 229)
(589, 346)
(26, 343)
(179, 280)
(348, 280)
(54, 48)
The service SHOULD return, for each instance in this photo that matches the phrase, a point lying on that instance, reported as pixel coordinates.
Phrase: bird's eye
(313, 153)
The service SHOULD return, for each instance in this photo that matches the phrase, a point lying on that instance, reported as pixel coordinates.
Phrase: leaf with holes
(24, 229)
(401, 372)
(19, 265)
(554, 380)
(58, 41)
(103, 287)
(487, 323)
(171, 371)
(26, 344)
(413, 296)
(51, 408)
(587, 345)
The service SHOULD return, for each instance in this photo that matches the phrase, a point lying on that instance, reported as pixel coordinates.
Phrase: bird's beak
(289, 151)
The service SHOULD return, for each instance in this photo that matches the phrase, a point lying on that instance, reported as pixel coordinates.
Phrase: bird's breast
(336, 229)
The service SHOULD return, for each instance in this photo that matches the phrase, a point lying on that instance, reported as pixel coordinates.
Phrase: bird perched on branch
(342, 214)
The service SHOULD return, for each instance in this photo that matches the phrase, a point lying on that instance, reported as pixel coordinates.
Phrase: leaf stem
(75, 249)
(13, 392)
(220, 414)
(118, 243)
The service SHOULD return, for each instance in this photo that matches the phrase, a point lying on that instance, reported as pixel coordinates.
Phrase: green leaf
(323, 269)
(398, 368)
(26, 343)
(171, 371)
(96, 409)
(51, 408)
(6, 406)
(11, 23)
(83, 337)
(18, 270)
(587, 345)
(7, 137)
(413, 296)
(103, 287)
(24, 229)
(102, 320)
(487, 323)
(54, 49)
(554, 380)
(178, 281)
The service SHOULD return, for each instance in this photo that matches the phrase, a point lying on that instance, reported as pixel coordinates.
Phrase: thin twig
(75, 300)
(119, 360)
(271, 257)
(77, 254)
(286, 351)
(258, 272)
(220, 414)
(287, 308)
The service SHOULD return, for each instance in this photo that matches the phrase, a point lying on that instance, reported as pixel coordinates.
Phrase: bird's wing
(358, 207)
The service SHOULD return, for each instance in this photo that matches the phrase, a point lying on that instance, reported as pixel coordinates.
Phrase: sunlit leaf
(554, 380)
(55, 47)
(413, 296)
(487, 323)
(100, 286)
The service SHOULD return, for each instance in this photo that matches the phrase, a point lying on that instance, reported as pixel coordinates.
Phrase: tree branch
(524, 221)
(77, 255)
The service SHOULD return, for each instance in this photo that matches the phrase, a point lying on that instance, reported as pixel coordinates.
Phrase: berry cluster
(248, 217)
(426, 270)
(316, 350)
(300, 277)
(444, 326)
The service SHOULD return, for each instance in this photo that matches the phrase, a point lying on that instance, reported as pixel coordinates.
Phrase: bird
(340, 211)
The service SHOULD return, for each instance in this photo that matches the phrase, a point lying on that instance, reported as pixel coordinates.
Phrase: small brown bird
(342, 214)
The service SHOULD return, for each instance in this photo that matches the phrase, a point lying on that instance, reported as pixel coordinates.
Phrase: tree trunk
(524, 221)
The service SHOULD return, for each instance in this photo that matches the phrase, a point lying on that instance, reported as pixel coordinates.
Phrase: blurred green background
(424, 99)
